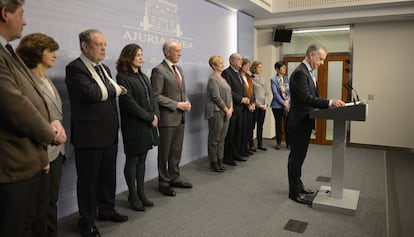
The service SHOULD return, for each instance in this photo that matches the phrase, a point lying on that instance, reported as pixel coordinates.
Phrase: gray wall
(204, 29)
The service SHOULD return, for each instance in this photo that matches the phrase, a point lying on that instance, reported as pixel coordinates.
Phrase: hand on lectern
(337, 103)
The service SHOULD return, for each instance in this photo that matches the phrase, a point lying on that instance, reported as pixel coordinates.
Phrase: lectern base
(347, 205)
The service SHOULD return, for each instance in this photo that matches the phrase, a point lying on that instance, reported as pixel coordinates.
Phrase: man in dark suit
(26, 129)
(304, 98)
(94, 131)
(169, 90)
(240, 99)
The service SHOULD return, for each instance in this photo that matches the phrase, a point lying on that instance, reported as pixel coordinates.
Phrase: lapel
(22, 68)
(55, 101)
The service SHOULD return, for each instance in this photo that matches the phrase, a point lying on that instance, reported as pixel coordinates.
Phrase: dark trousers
(46, 224)
(169, 154)
(232, 141)
(278, 114)
(18, 203)
(299, 142)
(246, 131)
(96, 169)
(258, 121)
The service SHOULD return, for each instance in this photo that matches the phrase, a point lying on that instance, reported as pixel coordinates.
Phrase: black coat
(137, 109)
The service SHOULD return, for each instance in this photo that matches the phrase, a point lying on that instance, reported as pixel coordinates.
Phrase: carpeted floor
(251, 200)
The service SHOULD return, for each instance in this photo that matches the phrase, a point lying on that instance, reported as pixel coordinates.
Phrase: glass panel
(335, 69)
(291, 67)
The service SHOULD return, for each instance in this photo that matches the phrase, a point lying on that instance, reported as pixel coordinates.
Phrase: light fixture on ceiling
(315, 30)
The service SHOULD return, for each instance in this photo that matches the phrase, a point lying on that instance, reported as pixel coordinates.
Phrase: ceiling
(380, 12)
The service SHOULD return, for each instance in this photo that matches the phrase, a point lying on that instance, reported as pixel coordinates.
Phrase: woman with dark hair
(38, 51)
(281, 102)
(139, 120)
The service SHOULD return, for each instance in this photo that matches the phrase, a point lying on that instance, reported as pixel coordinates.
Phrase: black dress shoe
(306, 191)
(230, 162)
(262, 148)
(239, 159)
(249, 153)
(88, 230)
(252, 148)
(300, 199)
(181, 184)
(112, 216)
(136, 204)
(241, 155)
(167, 191)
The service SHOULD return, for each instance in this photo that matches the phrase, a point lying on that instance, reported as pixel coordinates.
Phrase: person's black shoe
(306, 191)
(136, 204)
(88, 230)
(229, 162)
(252, 148)
(239, 159)
(241, 155)
(181, 184)
(301, 198)
(262, 148)
(249, 153)
(167, 191)
(112, 216)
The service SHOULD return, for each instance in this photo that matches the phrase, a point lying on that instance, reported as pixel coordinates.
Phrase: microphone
(349, 89)
(356, 93)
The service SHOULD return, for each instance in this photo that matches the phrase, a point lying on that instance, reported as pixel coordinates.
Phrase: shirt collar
(3, 41)
(308, 66)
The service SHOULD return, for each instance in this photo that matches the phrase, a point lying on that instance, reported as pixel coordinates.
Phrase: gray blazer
(219, 96)
(260, 90)
(168, 93)
(54, 104)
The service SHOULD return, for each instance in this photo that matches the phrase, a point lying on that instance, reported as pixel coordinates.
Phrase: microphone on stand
(356, 93)
(349, 89)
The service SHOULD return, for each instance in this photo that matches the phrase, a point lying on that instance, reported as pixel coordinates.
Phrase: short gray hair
(315, 48)
(86, 36)
(11, 5)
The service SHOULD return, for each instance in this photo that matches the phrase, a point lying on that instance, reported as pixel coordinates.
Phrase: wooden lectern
(335, 197)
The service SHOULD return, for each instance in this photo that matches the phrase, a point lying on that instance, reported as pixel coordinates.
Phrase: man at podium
(304, 98)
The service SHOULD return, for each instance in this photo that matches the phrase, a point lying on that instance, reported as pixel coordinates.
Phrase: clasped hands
(184, 106)
(60, 134)
(60, 138)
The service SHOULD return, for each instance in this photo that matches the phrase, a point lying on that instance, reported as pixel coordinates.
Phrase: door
(330, 78)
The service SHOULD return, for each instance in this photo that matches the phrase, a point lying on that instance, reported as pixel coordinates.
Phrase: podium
(335, 197)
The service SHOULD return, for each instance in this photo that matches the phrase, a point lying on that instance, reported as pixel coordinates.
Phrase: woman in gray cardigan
(219, 109)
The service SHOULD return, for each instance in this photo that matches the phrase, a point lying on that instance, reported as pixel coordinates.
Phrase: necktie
(177, 76)
(100, 73)
(10, 49)
(240, 77)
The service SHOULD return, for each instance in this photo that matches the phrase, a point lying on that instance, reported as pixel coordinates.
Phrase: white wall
(383, 67)
(382, 57)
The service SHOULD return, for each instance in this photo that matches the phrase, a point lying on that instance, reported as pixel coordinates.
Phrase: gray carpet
(251, 200)
(400, 185)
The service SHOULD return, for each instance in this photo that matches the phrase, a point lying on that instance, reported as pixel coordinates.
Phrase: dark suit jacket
(304, 96)
(94, 123)
(25, 128)
(137, 113)
(237, 88)
(168, 93)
